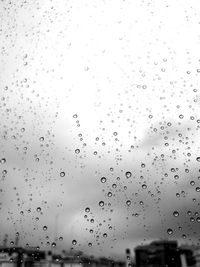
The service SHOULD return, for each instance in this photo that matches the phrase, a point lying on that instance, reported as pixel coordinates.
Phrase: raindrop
(87, 209)
(176, 213)
(103, 179)
(144, 186)
(53, 244)
(101, 203)
(62, 174)
(109, 194)
(74, 242)
(128, 202)
(45, 228)
(176, 177)
(192, 183)
(89, 244)
(77, 151)
(128, 174)
(3, 160)
(169, 231)
(197, 189)
(198, 159)
(38, 209)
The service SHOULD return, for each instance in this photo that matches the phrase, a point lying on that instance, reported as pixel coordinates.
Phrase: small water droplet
(53, 244)
(74, 242)
(128, 174)
(62, 174)
(128, 202)
(176, 213)
(3, 160)
(197, 189)
(38, 209)
(101, 203)
(103, 179)
(169, 231)
(87, 209)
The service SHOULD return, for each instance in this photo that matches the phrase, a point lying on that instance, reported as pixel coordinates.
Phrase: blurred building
(163, 253)
(32, 257)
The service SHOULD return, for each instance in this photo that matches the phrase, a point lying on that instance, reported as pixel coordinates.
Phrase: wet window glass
(100, 119)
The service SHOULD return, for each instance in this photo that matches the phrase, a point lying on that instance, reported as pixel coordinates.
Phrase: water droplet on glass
(87, 209)
(198, 219)
(77, 151)
(192, 183)
(38, 209)
(101, 203)
(74, 242)
(176, 213)
(103, 179)
(3, 160)
(169, 231)
(62, 174)
(45, 228)
(105, 235)
(128, 174)
(128, 202)
(109, 194)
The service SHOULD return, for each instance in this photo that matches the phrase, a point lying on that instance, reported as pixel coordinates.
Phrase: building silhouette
(164, 254)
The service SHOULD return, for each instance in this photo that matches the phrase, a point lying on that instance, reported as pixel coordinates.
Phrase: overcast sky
(93, 89)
